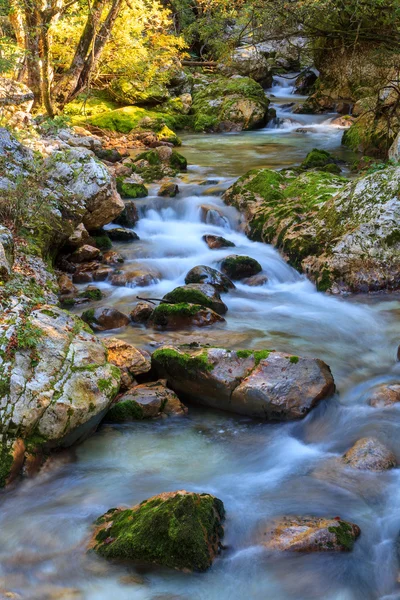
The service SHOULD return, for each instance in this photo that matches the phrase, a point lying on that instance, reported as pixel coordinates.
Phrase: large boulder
(181, 530)
(310, 534)
(263, 384)
(82, 177)
(248, 61)
(198, 293)
(345, 237)
(56, 381)
(229, 104)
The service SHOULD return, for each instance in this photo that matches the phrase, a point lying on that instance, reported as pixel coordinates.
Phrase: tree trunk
(33, 50)
(68, 82)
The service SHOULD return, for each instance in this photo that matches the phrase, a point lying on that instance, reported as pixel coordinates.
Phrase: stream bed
(259, 470)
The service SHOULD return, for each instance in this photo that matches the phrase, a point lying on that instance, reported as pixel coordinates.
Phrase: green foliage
(28, 335)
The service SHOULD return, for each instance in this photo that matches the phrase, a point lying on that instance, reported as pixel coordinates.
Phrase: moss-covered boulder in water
(181, 530)
(153, 165)
(236, 266)
(229, 104)
(263, 384)
(182, 315)
(320, 160)
(131, 189)
(198, 293)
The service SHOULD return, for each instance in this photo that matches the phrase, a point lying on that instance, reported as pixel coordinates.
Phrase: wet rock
(169, 189)
(240, 267)
(57, 382)
(256, 280)
(85, 253)
(179, 316)
(78, 237)
(66, 286)
(92, 293)
(111, 257)
(129, 216)
(214, 242)
(82, 277)
(135, 278)
(371, 455)
(304, 84)
(102, 319)
(263, 384)
(111, 155)
(346, 121)
(321, 160)
(131, 361)
(146, 401)
(141, 312)
(198, 293)
(102, 273)
(385, 395)
(311, 534)
(144, 531)
(204, 274)
(153, 165)
(212, 215)
(121, 234)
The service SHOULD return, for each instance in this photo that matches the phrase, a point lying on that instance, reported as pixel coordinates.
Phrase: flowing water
(259, 470)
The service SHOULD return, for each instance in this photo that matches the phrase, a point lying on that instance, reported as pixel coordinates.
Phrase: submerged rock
(385, 395)
(102, 319)
(56, 381)
(130, 360)
(181, 315)
(203, 274)
(263, 384)
(168, 189)
(369, 454)
(198, 293)
(141, 312)
(240, 267)
(146, 401)
(181, 530)
(311, 534)
(122, 234)
(214, 242)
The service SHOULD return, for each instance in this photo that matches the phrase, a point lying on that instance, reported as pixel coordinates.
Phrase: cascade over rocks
(310, 534)
(345, 237)
(56, 382)
(182, 530)
(262, 384)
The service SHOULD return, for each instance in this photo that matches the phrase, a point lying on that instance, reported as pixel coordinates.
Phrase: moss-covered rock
(198, 293)
(236, 266)
(181, 315)
(130, 118)
(181, 530)
(103, 319)
(320, 160)
(229, 104)
(153, 165)
(263, 384)
(204, 274)
(375, 134)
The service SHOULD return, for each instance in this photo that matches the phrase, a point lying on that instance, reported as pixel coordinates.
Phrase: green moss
(170, 359)
(92, 294)
(163, 312)
(88, 316)
(131, 190)
(294, 359)
(102, 241)
(125, 410)
(259, 355)
(238, 267)
(177, 161)
(187, 295)
(318, 159)
(152, 157)
(90, 104)
(180, 532)
(244, 353)
(344, 534)
(129, 118)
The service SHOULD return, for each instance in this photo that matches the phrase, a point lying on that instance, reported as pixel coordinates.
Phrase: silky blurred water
(259, 470)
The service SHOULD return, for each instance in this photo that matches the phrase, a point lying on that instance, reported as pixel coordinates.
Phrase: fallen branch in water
(154, 300)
